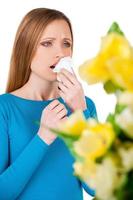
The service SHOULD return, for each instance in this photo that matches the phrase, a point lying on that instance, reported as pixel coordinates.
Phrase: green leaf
(64, 134)
(111, 119)
(119, 108)
(115, 28)
(110, 87)
(58, 132)
(125, 192)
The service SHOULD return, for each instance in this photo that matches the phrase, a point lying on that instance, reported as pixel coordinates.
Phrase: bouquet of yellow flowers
(103, 152)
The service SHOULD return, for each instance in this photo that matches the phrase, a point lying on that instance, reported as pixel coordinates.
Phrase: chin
(50, 77)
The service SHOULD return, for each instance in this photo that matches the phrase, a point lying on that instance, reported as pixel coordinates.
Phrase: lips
(54, 65)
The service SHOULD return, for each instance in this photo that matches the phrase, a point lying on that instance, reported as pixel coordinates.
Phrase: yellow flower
(115, 45)
(95, 140)
(125, 121)
(108, 178)
(126, 98)
(121, 71)
(99, 69)
(126, 153)
(74, 125)
(86, 171)
(95, 70)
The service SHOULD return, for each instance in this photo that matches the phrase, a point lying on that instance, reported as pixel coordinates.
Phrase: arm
(22, 169)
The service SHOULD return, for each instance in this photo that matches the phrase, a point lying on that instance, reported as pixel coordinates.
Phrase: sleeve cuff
(41, 142)
(89, 190)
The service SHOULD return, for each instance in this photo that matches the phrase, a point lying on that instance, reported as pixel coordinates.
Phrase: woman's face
(55, 43)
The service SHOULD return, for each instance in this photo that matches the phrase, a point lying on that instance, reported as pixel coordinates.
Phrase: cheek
(39, 70)
(39, 61)
(69, 52)
(40, 67)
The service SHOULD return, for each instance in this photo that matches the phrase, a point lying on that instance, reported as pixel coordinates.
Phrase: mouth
(52, 67)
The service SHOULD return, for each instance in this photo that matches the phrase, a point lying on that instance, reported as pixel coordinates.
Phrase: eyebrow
(52, 38)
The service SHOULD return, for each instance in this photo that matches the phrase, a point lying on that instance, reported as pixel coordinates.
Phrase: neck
(39, 89)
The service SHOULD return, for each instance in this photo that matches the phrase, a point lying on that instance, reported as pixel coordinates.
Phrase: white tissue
(66, 63)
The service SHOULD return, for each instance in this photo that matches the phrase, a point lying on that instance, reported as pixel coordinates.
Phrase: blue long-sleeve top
(30, 169)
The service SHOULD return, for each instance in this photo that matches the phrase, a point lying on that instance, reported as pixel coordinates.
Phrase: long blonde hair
(27, 37)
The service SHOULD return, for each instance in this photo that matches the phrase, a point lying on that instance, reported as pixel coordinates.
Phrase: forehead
(57, 28)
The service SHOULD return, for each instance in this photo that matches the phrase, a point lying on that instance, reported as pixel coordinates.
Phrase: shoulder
(3, 107)
(7, 106)
(4, 98)
(5, 102)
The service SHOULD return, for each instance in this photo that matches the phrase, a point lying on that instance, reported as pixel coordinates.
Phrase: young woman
(34, 163)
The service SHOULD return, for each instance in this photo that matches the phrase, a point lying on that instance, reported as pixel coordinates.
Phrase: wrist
(82, 107)
(44, 136)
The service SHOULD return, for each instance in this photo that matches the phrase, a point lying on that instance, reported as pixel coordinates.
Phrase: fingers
(62, 78)
(62, 94)
(53, 104)
(62, 87)
(59, 108)
(56, 106)
(70, 76)
(62, 114)
(64, 118)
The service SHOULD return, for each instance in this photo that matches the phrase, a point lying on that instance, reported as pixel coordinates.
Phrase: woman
(34, 162)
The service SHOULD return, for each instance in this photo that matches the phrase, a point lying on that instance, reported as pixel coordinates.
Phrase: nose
(59, 53)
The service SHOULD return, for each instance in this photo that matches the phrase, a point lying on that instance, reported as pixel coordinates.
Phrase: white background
(90, 20)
